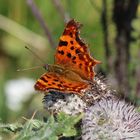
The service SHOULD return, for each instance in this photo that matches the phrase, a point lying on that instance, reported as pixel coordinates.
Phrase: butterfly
(73, 68)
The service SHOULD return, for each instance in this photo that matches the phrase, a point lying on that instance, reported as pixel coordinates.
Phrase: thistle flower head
(73, 104)
(110, 119)
(69, 103)
(106, 117)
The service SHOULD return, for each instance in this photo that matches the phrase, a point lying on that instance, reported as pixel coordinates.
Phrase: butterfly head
(46, 66)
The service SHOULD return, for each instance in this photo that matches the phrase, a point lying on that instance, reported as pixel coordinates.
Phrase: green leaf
(53, 129)
(10, 127)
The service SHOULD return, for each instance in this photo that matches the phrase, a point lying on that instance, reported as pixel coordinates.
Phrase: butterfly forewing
(73, 54)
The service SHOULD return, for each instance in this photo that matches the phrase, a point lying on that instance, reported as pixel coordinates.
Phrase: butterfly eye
(45, 66)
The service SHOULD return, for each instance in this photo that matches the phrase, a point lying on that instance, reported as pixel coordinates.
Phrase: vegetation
(113, 40)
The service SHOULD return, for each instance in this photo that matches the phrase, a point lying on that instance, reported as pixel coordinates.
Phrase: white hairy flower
(106, 117)
(111, 119)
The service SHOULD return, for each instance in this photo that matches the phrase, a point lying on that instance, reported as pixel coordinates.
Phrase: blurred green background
(19, 28)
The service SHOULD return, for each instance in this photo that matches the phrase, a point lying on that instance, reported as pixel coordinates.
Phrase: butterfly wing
(72, 52)
(54, 82)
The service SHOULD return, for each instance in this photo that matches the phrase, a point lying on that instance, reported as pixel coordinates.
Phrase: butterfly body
(56, 69)
(73, 68)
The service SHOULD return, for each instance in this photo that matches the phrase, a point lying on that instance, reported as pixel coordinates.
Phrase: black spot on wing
(72, 47)
(71, 42)
(59, 85)
(61, 82)
(69, 55)
(80, 56)
(74, 62)
(53, 83)
(56, 80)
(49, 84)
(43, 79)
(61, 52)
(63, 43)
(77, 51)
(48, 76)
(74, 57)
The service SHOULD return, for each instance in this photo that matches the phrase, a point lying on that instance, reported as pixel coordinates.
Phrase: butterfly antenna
(34, 54)
(45, 66)
(36, 67)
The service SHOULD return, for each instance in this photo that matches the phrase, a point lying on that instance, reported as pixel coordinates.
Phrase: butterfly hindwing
(54, 82)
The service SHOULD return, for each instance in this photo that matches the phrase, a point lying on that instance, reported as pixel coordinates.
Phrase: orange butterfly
(73, 68)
